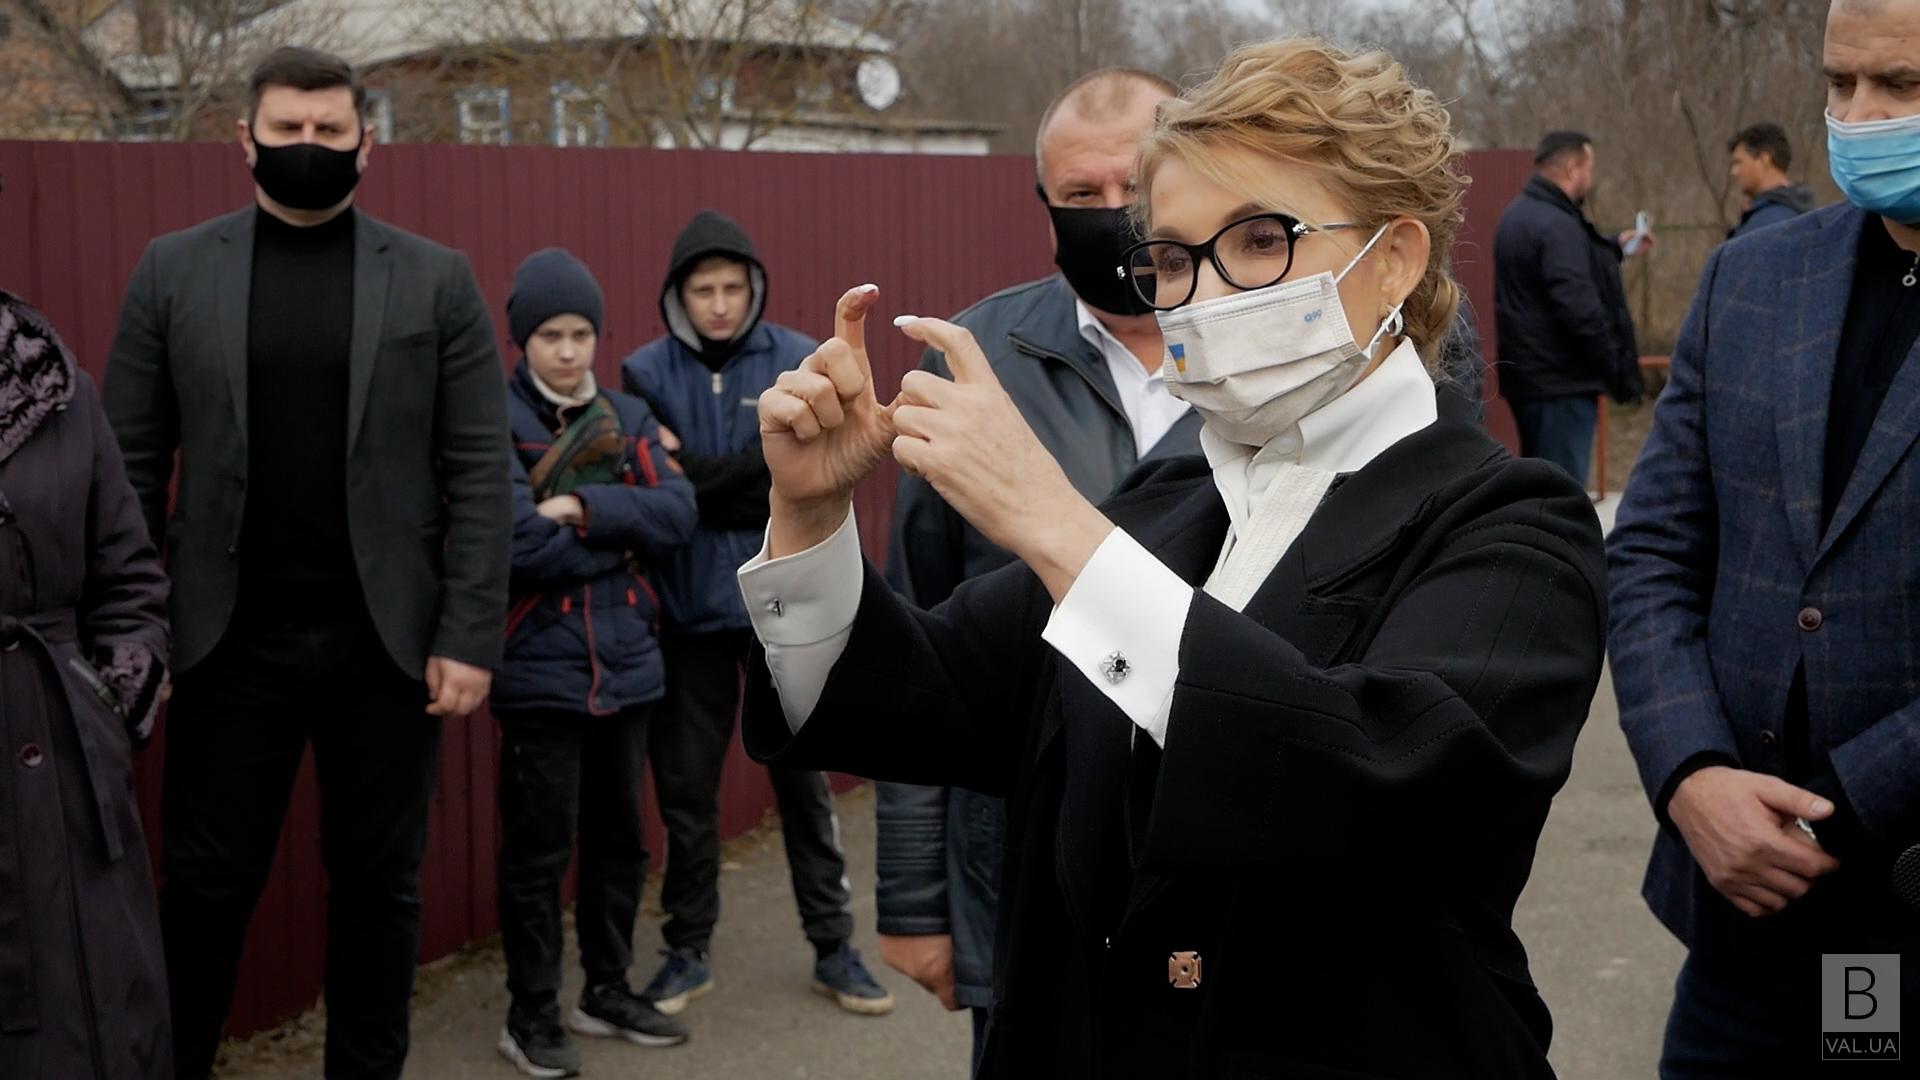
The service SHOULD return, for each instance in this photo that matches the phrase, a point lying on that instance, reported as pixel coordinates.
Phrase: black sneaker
(537, 1045)
(613, 1011)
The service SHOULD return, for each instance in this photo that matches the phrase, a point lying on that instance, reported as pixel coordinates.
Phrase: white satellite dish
(879, 82)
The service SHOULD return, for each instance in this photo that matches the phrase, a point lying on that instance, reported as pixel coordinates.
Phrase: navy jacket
(716, 415)
(1723, 585)
(583, 630)
(1561, 311)
(1774, 207)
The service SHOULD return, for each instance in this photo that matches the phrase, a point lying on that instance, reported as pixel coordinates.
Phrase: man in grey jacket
(1081, 358)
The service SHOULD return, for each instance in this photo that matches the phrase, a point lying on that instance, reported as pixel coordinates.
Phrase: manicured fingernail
(869, 288)
(902, 320)
(1822, 806)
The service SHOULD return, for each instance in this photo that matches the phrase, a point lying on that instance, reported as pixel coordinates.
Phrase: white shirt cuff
(1121, 625)
(802, 607)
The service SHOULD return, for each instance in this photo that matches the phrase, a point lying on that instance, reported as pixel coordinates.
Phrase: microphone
(1906, 876)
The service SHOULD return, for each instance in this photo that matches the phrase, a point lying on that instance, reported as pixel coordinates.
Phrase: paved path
(760, 1021)
(1605, 966)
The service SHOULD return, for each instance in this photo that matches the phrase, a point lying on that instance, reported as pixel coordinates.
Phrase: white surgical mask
(1253, 364)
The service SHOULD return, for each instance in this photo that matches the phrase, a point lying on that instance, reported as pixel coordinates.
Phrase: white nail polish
(869, 288)
(902, 320)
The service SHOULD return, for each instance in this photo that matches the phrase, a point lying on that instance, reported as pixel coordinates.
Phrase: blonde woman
(1279, 727)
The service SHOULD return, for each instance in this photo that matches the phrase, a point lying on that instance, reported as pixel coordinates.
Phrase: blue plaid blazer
(1718, 553)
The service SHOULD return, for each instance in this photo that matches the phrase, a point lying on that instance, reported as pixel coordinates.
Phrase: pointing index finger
(964, 358)
(850, 314)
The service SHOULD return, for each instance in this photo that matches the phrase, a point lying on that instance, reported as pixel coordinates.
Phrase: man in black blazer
(339, 549)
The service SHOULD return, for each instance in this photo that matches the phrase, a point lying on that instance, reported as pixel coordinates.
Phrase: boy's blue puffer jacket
(583, 628)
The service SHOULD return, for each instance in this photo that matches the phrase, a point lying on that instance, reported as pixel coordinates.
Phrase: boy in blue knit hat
(597, 503)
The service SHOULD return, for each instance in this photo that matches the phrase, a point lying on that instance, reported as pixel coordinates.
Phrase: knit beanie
(549, 283)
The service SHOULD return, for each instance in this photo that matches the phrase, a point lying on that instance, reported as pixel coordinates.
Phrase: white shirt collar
(1342, 436)
(1095, 331)
(581, 394)
(1150, 410)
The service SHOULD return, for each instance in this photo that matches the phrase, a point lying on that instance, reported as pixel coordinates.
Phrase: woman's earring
(1396, 322)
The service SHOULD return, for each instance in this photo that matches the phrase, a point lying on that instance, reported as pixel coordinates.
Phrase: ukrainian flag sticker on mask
(1179, 354)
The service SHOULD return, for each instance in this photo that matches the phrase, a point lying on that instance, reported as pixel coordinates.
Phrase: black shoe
(537, 1045)
(612, 1010)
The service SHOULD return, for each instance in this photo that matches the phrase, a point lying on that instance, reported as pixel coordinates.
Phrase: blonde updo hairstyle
(1382, 145)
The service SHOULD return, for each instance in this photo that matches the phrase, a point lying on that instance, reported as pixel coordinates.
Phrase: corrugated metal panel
(1498, 176)
(935, 233)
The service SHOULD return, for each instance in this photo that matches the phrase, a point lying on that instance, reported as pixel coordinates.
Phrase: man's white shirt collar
(1151, 412)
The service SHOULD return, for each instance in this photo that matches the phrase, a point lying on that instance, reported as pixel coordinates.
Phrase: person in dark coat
(1279, 727)
(1080, 354)
(1760, 157)
(1765, 591)
(597, 503)
(313, 414)
(1070, 351)
(702, 379)
(83, 655)
(1566, 334)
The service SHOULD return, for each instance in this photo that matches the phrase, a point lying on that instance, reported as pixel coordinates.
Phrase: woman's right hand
(823, 430)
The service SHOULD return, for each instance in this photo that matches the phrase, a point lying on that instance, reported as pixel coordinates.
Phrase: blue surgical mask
(1877, 165)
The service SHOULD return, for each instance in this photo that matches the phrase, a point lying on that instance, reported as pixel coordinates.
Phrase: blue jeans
(1560, 430)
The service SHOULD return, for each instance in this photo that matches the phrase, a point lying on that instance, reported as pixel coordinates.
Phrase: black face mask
(1091, 242)
(304, 176)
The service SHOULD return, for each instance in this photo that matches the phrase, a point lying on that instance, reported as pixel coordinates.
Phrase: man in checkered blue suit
(1766, 592)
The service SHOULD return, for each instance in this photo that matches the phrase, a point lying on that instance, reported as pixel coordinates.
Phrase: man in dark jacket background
(339, 549)
(1566, 335)
(1760, 157)
(704, 380)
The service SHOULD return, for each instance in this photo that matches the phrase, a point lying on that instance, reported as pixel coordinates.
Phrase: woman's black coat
(1355, 774)
(83, 604)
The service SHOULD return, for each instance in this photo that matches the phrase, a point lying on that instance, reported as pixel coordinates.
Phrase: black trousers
(563, 774)
(688, 744)
(238, 726)
(1760, 1018)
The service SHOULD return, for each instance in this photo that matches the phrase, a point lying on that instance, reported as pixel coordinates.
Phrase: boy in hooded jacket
(704, 379)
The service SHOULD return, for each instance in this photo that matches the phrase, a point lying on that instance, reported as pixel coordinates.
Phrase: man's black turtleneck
(294, 544)
(1883, 320)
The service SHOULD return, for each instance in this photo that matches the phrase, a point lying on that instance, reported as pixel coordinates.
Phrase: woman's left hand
(967, 439)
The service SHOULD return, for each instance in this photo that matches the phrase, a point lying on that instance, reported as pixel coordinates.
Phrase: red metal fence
(935, 233)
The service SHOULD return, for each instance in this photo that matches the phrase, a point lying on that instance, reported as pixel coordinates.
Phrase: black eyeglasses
(1251, 253)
